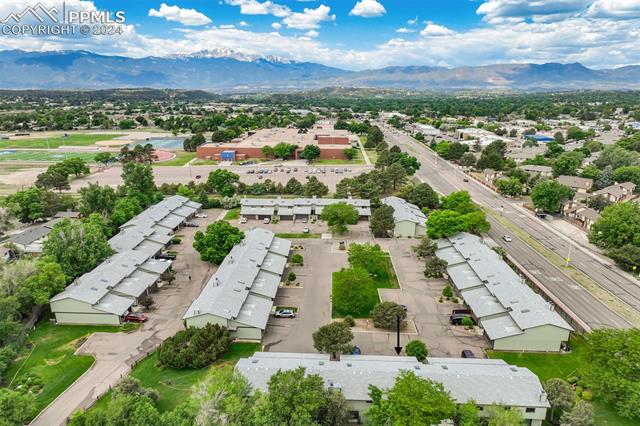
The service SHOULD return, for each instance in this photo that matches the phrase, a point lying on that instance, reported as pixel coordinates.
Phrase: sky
(362, 34)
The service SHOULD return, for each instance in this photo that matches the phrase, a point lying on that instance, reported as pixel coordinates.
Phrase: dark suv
(456, 319)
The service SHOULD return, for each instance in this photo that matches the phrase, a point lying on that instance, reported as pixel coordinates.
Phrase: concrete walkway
(117, 353)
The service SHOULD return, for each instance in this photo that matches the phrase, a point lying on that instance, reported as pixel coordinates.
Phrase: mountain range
(222, 70)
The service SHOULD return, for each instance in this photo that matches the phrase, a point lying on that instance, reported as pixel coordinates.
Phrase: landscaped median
(50, 366)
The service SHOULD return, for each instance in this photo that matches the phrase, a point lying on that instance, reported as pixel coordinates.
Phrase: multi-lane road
(617, 286)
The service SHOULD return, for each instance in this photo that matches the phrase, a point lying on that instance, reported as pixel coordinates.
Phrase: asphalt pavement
(446, 178)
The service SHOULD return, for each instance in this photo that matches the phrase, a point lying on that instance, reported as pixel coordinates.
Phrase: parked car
(467, 354)
(404, 307)
(191, 225)
(305, 230)
(135, 317)
(266, 220)
(285, 313)
(507, 238)
(243, 220)
(202, 215)
(166, 256)
(465, 179)
(198, 176)
(456, 319)
(356, 351)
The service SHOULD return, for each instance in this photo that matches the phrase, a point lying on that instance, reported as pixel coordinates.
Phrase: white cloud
(404, 30)
(243, 24)
(617, 9)
(312, 34)
(227, 27)
(435, 30)
(309, 19)
(368, 9)
(276, 25)
(499, 11)
(413, 21)
(255, 7)
(177, 14)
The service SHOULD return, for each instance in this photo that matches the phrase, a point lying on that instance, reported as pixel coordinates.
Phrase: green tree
(396, 174)
(314, 187)
(223, 182)
(350, 153)
(418, 349)
(444, 223)
(310, 152)
(124, 210)
(614, 372)
(297, 259)
(423, 196)
(16, 408)
(425, 248)
(369, 257)
(548, 195)
(435, 267)
(32, 204)
(382, 222)
(475, 222)
(218, 240)
(338, 216)
(616, 157)
(618, 225)
(334, 338)
(267, 151)
(627, 256)
(591, 172)
(97, 199)
(74, 166)
(194, 348)
(411, 400)
(374, 137)
(385, 315)
(138, 183)
(580, 415)
(47, 281)
(501, 416)
(627, 174)
(511, 187)
(53, 178)
(284, 150)
(459, 201)
(104, 158)
(560, 395)
(468, 414)
(567, 163)
(77, 246)
(349, 294)
(294, 187)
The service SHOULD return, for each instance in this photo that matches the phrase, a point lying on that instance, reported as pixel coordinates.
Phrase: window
(530, 410)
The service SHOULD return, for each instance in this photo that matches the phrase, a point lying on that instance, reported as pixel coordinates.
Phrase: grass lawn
(233, 214)
(297, 235)
(386, 280)
(44, 156)
(174, 386)
(547, 366)
(200, 162)
(52, 358)
(180, 159)
(373, 155)
(77, 139)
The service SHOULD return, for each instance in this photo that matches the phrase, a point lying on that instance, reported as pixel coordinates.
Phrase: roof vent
(321, 363)
(444, 367)
(254, 361)
(348, 364)
(514, 369)
(524, 311)
(416, 367)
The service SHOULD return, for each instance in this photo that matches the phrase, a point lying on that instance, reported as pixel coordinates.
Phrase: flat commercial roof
(485, 381)
(246, 282)
(490, 287)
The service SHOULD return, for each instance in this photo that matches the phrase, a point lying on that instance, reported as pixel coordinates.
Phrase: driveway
(322, 257)
(116, 353)
(421, 298)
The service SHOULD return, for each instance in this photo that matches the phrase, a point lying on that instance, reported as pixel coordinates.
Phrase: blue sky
(359, 34)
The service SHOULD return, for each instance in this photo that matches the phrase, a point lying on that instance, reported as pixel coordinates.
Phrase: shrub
(291, 277)
(385, 315)
(348, 320)
(454, 300)
(297, 259)
(573, 379)
(176, 240)
(467, 322)
(194, 347)
(435, 267)
(447, 292)
(587, 395)
(418, 349)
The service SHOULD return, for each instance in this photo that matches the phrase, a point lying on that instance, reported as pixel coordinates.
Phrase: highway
(446, 178)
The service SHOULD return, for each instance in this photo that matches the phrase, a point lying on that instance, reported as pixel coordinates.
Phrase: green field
(386, 280)
(200, 162)
(78, 139)
(563, 366)
(52, 360)
(181, 159)
(174, 386)
(44, 156)
(233, 214)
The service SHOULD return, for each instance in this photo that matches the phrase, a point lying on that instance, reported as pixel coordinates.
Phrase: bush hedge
(194, 347)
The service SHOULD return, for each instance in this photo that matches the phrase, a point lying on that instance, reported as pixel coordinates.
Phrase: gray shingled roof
(244, 285)
(405, 211)
(490, 287)
(485, 381)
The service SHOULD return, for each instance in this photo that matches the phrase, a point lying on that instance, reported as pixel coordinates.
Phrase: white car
(266, 220)
(243, 220)
(202, 215)
(507, 238)
(305, 230)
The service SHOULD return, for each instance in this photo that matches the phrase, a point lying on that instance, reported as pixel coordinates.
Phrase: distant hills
(227, 71)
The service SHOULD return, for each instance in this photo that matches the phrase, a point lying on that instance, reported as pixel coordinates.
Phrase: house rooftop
(405, 211)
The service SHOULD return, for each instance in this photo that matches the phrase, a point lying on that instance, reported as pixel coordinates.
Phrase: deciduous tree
(218, 240)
